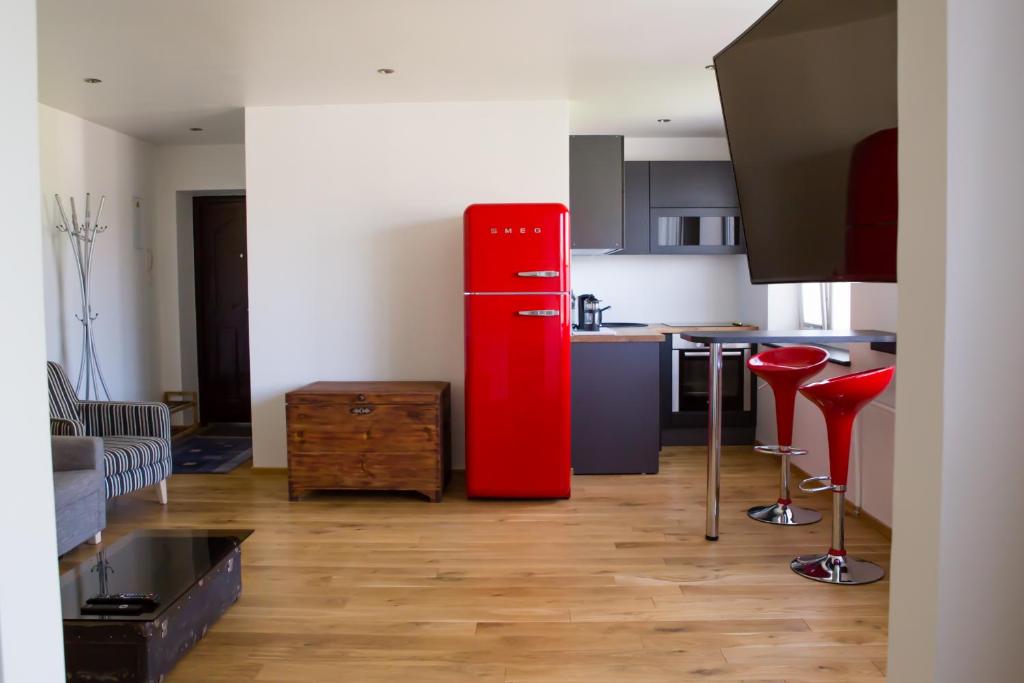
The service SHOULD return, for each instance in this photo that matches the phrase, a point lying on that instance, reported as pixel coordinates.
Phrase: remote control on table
(123, 609)
(125, 599)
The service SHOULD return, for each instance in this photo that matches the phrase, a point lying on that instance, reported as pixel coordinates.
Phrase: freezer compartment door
(517, 396)
(516, 248)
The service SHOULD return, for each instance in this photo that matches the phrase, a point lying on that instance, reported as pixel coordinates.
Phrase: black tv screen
(809, 98)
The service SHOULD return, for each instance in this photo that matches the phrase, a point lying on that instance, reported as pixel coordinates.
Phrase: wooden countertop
(655, 332)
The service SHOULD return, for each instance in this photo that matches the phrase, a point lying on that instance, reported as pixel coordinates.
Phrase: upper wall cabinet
(637, 208)
(693, 184)
(681, 207)
(595, 192)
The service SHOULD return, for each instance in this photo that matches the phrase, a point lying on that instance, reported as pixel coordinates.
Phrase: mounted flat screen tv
(809, 98)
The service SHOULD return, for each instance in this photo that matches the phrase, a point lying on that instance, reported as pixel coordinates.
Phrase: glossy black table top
(790, 336)
(164, 561)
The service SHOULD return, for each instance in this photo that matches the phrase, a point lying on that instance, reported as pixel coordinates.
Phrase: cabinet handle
(361, 410)
(537, 273)
(541, 313)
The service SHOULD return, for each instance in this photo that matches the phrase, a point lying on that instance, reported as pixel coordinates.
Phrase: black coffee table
(196, 572)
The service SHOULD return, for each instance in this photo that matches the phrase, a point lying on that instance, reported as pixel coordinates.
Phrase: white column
(957, 601)
(31, 643)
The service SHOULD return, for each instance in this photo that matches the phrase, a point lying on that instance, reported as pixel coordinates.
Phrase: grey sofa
(136, 435)
(79, 499)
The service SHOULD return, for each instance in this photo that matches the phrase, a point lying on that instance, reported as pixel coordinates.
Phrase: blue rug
(212, 450)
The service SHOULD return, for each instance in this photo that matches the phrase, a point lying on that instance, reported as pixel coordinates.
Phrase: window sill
(836, 354)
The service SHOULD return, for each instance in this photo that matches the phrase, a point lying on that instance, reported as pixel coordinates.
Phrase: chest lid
(367, 392)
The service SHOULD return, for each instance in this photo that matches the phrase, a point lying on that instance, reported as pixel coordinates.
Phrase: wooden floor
(616, 585)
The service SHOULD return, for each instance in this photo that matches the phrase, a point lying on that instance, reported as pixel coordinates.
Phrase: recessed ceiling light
(710, 67)
(664, 120)
(91, 80)
(196, 130)
(385, 71)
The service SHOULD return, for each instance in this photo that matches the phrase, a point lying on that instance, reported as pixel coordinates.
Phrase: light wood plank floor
(616, 585)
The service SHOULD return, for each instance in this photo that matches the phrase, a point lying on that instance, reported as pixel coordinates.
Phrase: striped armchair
(136, 436)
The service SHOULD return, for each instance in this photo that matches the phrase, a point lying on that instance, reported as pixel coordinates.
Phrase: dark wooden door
(222, 308)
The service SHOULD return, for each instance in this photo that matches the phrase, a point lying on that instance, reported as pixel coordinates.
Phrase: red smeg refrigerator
(517, 350)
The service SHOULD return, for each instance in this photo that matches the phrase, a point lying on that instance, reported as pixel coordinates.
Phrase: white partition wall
(355, 237)
(31, 644)
(957, 600)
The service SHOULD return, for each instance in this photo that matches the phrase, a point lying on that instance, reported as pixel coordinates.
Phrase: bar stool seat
(785, 369)
(840, 399)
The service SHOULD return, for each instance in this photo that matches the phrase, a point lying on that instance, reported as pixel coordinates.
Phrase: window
(825, 305)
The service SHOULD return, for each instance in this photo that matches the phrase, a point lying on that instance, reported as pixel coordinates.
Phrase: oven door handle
(747, 381)
(705, 354)
(675, 381)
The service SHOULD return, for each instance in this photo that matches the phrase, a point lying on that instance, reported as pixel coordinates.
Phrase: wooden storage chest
(369, 436)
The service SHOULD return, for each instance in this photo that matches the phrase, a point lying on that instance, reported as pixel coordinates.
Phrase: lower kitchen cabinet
(615, 413)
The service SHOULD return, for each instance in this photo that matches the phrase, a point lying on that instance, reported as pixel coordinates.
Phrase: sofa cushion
(126, 453)
(73, 485)
(126, 482)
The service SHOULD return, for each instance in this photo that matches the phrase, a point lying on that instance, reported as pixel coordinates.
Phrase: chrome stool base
(839, 569)
(780, 450)
(784, 515)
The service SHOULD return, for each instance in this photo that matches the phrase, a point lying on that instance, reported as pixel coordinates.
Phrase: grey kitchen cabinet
(693, 184)
(637, 208)
(616, 420)
(596, 186)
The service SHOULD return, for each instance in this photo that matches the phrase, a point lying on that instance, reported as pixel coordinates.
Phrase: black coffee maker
(588, 313)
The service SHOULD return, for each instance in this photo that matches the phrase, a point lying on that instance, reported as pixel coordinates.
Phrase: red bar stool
(784, 370)
(840, 399)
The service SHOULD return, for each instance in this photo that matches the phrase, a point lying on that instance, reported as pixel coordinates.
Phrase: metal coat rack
(82, 236)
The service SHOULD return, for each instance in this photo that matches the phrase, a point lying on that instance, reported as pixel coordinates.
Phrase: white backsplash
(659, 289)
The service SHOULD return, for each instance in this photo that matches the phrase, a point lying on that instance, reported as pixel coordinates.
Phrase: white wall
(183, 171)
(31, 641)
(143, 282)
(957, 606)
(355, 237)
(78, 156)
(667, 288)
(917, 503)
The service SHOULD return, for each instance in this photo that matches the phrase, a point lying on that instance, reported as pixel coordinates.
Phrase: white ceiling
(168, 65)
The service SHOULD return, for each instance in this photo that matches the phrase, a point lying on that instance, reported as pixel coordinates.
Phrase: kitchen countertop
(655, 332)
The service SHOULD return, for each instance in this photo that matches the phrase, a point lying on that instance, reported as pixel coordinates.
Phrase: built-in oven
(684, 393)
(689, 374)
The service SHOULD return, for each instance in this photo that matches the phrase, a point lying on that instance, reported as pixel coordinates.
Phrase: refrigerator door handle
(538, 273)
(541, 313)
